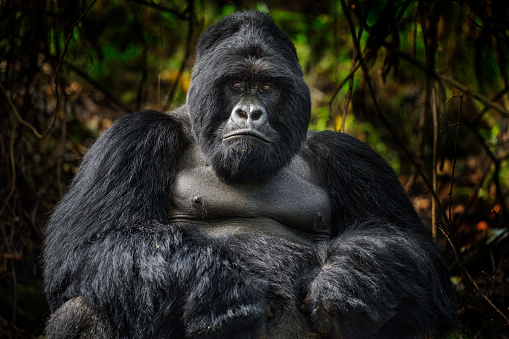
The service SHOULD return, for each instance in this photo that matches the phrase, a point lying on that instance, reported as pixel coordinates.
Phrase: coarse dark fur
(118, 263)
(247, 45)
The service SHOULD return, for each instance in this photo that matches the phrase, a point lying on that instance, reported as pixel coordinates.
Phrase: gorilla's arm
(108, 241)
(382, 264)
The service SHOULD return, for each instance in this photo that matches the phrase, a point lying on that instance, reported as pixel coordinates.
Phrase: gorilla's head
(248, 102)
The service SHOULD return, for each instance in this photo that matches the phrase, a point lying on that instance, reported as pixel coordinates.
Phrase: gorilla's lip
(247, 132)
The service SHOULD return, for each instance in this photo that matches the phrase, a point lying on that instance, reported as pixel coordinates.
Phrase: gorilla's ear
(228, 26)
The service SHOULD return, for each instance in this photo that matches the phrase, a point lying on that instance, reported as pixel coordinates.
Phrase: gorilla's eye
(266, 87)
(237, 85)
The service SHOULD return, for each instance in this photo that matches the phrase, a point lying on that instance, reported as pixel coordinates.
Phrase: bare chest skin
(287, 205)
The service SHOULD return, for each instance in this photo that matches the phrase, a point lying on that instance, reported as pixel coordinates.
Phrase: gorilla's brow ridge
(244, 72)
(255, 67)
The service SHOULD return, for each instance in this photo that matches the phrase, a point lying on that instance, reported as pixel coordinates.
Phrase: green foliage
(126, 55)
(320, 118)
(372, 135)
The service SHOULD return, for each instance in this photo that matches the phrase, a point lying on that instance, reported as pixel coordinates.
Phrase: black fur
(223, 51)
(382, 276)
(116, 266)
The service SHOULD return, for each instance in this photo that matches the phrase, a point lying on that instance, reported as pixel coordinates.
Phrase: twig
(472, 199)
(69, 37)
(338, 88)
(473, 94)
(120, 105)
(486, 101)
(59, 66)
(458, 124)
(471, 280)
(349, 93)
(498, 216)
(14, 292)
(353, 66)
(435, 156)
(13, 167)
(57, 71)
(173, 89)
(486, 172)
(384, 121)
(18, 116)
(144, 67)
(161, 8)
(495, 280)
(161, 51)
(489, 30)
(491, 155)
(430, 40)
(497, 97)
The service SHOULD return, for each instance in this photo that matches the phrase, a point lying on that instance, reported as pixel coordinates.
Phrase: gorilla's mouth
(242, 133)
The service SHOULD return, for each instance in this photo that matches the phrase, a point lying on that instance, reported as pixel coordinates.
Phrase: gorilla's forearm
(382, 276)
(378, 281)
(167, 274)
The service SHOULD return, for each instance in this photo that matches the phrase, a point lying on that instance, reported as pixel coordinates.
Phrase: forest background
(425, 83)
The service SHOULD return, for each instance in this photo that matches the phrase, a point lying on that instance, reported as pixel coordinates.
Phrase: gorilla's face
(248, 102)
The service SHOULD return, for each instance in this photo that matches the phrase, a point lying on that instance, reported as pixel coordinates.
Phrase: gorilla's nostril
(242, 114)
(255, 115)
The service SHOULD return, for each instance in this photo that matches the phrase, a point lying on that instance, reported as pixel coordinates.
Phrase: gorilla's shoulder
(345, 151)
(150, 118)
(139, 122)
(144, 132)
(148, 124)
(349, 166)
(336, 141)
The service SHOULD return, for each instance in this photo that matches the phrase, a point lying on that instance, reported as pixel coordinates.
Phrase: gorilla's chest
(288, 204)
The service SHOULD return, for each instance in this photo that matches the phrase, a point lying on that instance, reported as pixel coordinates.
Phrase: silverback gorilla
(226, 218)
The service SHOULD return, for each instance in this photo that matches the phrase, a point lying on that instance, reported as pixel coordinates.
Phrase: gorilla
(227, 218)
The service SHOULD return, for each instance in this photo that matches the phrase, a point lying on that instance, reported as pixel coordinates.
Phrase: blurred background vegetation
(425, 83)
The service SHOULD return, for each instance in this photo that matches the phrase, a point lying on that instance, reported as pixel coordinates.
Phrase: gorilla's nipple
(197, 200)
(199, 207)
(318, 221)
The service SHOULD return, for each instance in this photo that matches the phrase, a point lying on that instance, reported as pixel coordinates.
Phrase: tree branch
(189, 40)
(384, 121)
(181, 16)
(471, 280)
(486, 101)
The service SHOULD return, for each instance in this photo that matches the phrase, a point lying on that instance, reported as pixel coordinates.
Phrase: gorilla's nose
(249, 116)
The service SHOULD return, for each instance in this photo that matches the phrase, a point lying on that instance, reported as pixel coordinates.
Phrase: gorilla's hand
(228, 301)
(324, 321)
(374, 283)
(331, 311)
